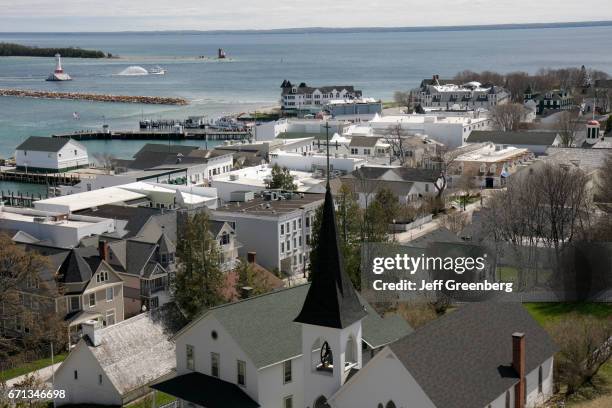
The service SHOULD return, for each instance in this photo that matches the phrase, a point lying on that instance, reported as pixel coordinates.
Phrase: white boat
(58, 74)
(157, 71)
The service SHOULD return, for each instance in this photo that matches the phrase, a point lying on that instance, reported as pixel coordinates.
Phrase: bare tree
(517, 83)
(105, 160)
(507, 117)
(585, 345)
(548, 206)
(444, 160)
(567, 125)
(399, 150)
(404, 98)
(455, 221)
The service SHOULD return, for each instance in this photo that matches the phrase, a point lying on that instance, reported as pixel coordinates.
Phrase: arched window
(390, 404)
(540, 379)
(321, 402)
(380, 406)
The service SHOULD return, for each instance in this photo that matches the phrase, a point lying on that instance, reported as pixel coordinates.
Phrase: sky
(145, 15)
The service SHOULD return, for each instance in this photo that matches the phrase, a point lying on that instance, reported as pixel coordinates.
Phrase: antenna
(327, 149)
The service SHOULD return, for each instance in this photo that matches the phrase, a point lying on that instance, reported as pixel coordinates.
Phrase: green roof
(264, 329)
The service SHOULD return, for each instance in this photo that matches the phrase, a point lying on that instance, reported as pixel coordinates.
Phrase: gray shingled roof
(135, 352)
(43, 144)
(263, 325)
(363, 141)
(513, 138)
(464, 358)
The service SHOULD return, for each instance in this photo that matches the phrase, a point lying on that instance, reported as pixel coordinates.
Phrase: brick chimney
(518, 363)
(251, 257)
(103, 250)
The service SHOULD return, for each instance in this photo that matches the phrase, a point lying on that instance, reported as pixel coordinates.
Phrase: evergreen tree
(282, 179)
(248, 277)
(198, 279)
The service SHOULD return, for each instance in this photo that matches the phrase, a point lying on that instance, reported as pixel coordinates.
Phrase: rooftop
(510, 138)
(258, 176)
(475, 339)
(47, 218)
(261, 206)
(88, 199)
(43, 144)
(489, 153)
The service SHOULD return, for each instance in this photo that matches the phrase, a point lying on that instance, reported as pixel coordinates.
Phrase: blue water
(378, 63)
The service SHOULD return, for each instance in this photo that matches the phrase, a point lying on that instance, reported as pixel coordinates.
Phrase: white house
(303, 99)
(116, 364)
(50, 155)
(310, 162)
(436, 93)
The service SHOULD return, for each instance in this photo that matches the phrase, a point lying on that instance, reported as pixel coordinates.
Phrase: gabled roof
(513, 138)
(137, 351)
(165, 148)
(394, 174)
(136, 217)
(132, 255)
(43, 144)
(363, 141)
(464, 358)
(331, 300)
(264, 329)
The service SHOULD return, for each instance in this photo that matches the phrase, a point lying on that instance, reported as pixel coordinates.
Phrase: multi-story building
(552, 100)
(471, 96)
(76, 286)
(302, 99)
(275, 225)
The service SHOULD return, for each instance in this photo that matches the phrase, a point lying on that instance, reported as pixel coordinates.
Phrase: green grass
(550, 312)
(29, 367)
(510, 274)
(162, 398)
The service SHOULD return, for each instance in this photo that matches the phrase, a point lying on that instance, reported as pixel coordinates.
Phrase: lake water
(378, 63)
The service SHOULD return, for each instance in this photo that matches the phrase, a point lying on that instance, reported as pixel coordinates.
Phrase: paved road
(405, 237)
(44, 374)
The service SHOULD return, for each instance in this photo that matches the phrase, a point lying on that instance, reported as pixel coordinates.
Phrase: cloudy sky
(119, 15)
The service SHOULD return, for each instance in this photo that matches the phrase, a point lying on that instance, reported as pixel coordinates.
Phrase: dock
(17, 199)
(165, 135)
(52, 179)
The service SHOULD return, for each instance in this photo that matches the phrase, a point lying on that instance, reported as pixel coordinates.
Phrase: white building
(470, 96)
(276, 226)
(312, 162)
(450, 130)
(302, 99)
(50, 155)
(56, 228)
(256, 179)
(140, 193)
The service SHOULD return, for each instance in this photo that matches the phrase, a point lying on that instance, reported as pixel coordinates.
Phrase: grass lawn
(550, 312)
(599, 395)
(29, 367)
(510, 274)
(162, 399)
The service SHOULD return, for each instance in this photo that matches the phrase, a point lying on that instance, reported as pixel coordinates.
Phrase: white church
(320, 345)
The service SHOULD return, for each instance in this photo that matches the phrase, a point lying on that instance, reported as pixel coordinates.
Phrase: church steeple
(331, 300)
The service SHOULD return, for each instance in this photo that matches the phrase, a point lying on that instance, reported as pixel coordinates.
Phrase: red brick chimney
(103, 250)
(251, 257)
(518, 363)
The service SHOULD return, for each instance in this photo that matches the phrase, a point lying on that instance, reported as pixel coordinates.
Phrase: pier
(165, 135)
(52, 179)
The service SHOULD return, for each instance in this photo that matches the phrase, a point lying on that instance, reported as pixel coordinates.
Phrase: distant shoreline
(20, 50)
(311, 30)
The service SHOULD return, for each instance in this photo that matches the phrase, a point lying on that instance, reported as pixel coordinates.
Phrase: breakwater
(153, 100)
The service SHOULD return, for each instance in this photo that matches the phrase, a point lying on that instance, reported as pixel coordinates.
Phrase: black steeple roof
(331, 300)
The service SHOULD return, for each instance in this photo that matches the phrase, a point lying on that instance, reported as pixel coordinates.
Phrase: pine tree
(198, 279)
(282, 179)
